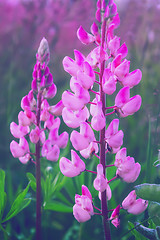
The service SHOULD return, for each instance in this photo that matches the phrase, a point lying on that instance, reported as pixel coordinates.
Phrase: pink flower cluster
(37, 117)
(106, 66)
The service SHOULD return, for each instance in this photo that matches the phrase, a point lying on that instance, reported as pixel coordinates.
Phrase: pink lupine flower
(108, 192)
(18, 131)
(127, 169)
(98, 121)
(122, 69)
(19, 150)
(116, 62)
(108, 82)
(115, 220)
(133, 205)
(23, 119)
(93, 106)
(113, 137)
(25, 158)
(84, 37)
(132, 79)
(82, 140)
(86, 76)
(76, 101)
(100, 183)
(71, 66)
(73, 119)
(26, 118)
(125, 105)
(35, 135)
(71, 168)
(83, 209)
(90, 150)
(50, 92)
(52, 122)
(86, 192)
(50, 151)
(95, 32)
(28, 101)
(115, 48)
(96, 56)
(56, 110)
(59, 140)
(44, 111)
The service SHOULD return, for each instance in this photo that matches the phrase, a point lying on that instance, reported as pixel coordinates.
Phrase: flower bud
(43, 54)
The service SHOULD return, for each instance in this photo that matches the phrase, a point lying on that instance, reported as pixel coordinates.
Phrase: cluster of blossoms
(106, 66)
(37, 121)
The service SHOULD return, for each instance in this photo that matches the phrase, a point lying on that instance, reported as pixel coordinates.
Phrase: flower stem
(104, 206)
(38, 174)
(112, 179)
(90, 171)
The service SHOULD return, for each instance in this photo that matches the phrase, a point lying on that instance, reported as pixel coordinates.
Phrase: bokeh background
(23, 23)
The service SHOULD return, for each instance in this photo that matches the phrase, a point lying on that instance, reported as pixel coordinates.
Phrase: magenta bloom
(115, 220)
(126, 105)
(82, 140)
(100, 183)
(77, 100)
(114, 138)
(73, 119)
(133, 205)
(83, 209)
(98, 121)
(127, 169)
(19, 150)
(91, 149)
(84, 37)
(18, 131)
(71, 168)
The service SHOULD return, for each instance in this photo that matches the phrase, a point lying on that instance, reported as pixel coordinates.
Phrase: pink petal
(138, 207)
(18, 131)
(129, 200)
(112, 128)
(84, 37)
(80, 214)
(132, 106)
(86, 192)
(92, 148)
(56, 110)
(132, 79)
(73, 119)
(79, 142)
(122, 97)
(25, 158)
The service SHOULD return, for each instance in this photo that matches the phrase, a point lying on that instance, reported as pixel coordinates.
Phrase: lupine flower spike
(37, 118)
(85, 109)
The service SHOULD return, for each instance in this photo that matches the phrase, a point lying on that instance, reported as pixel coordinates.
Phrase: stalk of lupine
(106, 65)
(37, 119)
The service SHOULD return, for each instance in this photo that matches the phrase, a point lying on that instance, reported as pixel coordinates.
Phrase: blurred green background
(22, 26)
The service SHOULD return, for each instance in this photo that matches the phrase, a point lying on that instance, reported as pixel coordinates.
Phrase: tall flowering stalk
(106, 66)
(38, 125)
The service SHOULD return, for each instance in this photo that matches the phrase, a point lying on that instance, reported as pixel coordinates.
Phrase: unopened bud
(43, 54)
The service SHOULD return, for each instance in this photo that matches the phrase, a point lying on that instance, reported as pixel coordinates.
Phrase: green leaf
(32, 180)
(58, 207)
(148, 191)
(154, 212)
(137, 235)
(18, 205)
(2, 193)
(146, 232)
(61, 196)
